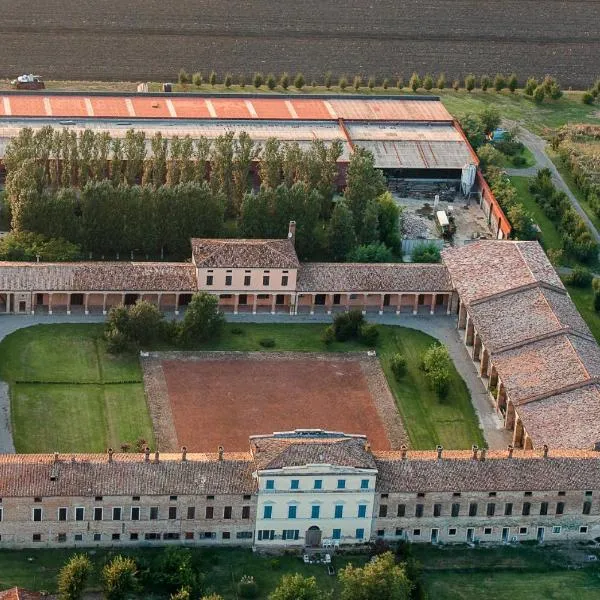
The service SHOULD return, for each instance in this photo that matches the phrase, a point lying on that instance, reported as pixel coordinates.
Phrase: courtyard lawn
(584, 301)
(77, 417)
(68, 394)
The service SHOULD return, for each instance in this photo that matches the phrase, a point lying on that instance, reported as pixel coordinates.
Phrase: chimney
(110, 455)
(474, 449)
(545, 450)
(403, 452)
(439, 451)
(183, 454)
(510, 450)
(156, 456)
(55, 457)
(292, 232)
(482, 455)
(146, 454)
(220, 452)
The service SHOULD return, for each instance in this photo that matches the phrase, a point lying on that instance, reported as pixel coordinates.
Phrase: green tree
(327, 80)
(470, 82)
(539, 94)
(371, 253)
(389, 222)
(400, 83)
(415, 82)
(212, 78)
(242, 81)
(513, 83)
(437, 365)
(197, 79)
(490, 119)
(441, 82)
(202, 320)
(381, 578)
(182, 594)
(244, 152)
(73, 577)
(357, 82)
(284, 81)
(258, 80)
(343, 83)
(428, 82)
(485, 83)
(299, 81)
(296, 587)
(369, 231)
(363, 183)
(144, 323)
(489, 156)
(27, 245)
(499, 82)
(521, 221)
(271, 81)
(342, 238)
(456, 85)
(530, 86)
(228, 81)
(271, 163)
(119, 578)
(385, 84)
(371, 83)
(426, 253)
(183, 77)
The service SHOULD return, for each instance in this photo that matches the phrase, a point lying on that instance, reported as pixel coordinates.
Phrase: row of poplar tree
(149, 196)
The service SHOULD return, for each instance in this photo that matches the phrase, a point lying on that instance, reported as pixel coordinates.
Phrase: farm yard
(85, 400)
(152, 40)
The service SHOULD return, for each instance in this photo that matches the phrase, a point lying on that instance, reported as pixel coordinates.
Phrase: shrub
(271, 83)
(485, 83)
(328, 336)
(426, 253)
(228, 81)
(415, 82)
(499, 82)
(212, 78)
(385, 84)
(398, 366)
(327, 80)
(258, 80)
(580, 277)
(538, 94)
(587, 98)
(26, 245)
(284, 81)
(369, 334)
(456, 85)
(197, 79)
(247, 587)
(400, 83)
(357, 82)
(530, 86)
(441, 82)
(428, 82)
(347, 325)
(343, 83)
(242, 81)
(299, 81)
(237, 331)
(371, 83)
(183, 77)
(119, 578)
(518, 161)
(275, 564)
(377, 252)
(73, 577)
(267, 342)
(489, 156)
(202, 320)
(513, 83)
(470, 83)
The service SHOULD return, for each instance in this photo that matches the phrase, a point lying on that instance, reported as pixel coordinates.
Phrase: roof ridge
(562, 390)
(521, 288)
(565, 329)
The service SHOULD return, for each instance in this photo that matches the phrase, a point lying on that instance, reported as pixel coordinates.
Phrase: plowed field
(153, 39)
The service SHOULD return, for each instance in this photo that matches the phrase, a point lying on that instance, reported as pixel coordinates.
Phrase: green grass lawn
(536, 573)
(71, 416)
(66, 391)
(526, 153)
(584, 301)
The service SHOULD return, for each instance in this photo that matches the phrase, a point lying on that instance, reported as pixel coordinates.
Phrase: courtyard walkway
(441, 327)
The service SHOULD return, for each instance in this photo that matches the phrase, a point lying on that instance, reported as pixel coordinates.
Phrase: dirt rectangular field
(206, 400)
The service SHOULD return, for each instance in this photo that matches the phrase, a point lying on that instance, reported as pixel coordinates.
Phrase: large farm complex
(319, 319)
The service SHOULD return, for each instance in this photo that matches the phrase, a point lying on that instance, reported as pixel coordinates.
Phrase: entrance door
(505, 535)
(386, 299)
(131, 299)
(243, 299)
(470, 535)
(313, 536)
(540, 534)
(320, 299)
(435, 533)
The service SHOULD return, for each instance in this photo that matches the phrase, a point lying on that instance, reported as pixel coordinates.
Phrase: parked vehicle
(28, 82)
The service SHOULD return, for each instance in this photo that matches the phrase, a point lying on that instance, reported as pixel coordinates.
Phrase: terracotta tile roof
(459, 472)
(272, 452)
(19, 594)
(30, 475)
(490, 267)
(98, 276)
(546, 365)
(524, 314)
(358, 277)
(230, 253)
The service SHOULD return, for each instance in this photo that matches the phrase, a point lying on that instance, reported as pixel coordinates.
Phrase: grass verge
(71, 416)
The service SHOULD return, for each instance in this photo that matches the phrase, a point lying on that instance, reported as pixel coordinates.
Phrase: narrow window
(318, 484)
(284, 280)
(245, 512)
(294, 484)
(526, 509)
(339, 511)
(227, 512)
(364, 484)
(116, 514)
(401, 510)
(62, 514)
(315, 511)
(154, 513)
(508, 509)
(37, 514)
(98, 513)
(270, 484)
(246, 280)
(79, 513)
(191, 512)
(209, 280)
(268, 512)
(587, 508)
(437, 510)
(473, 509)
(382, 510)
(227, 279)
(135, 513)
(560, 508)
(544, 508)
(419, 510)
(292, 511)
(491, 509)
(455, 509)
(341, 484)
(209, 512)
(266, 279)
(362, 511)
(172, 512)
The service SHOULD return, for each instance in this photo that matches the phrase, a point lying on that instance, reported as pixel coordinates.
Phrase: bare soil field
(221, 398)
(153, 39)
